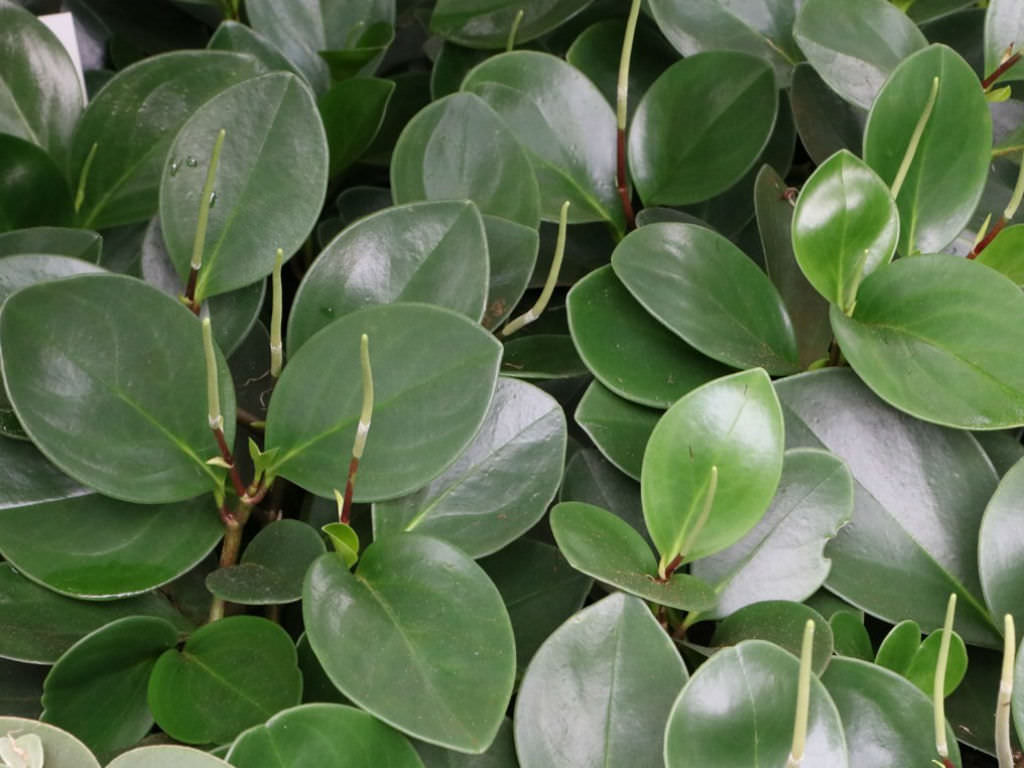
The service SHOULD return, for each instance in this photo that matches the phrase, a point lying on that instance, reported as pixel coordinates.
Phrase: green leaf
(921, 670)
(501, 754)
(807, 309)
(845, 226)
(883, 716)
(728, 102)
(232, 315)
(1000, 547)
(21, 686)
(512, 252)
(601, 545)
(450, 67)
(230, 675)
(919, 491)
(132, 123)
(322, 734)
(111, 665)
(488, 26)
(854, 46)
(947, 175)
(435, 253)
(738, 709)
(705, 290)
(37, 625)
(760, 29)
(628, 350)
(274, 141)
(501, 483)
(591, 478)
(458, 148)
(957, 363)
(166, 756)
(620, 429)
(91, 547)
(615, 672)
(540, 591)
(1004, 27)
(363, 53)
(434, 373)
(412, 93)
(53, 241)
(60, 748)
(897, 649)
(272, 567)
(825, 122)
(306, 28)
(79, 364)
(447, 682)
(712, 466)
(40, 94)
(353, 112)
(782, 557)
(33, 191)
(851, 637)
(565, 126)
(542, 356)
(779, 622)
(26, 477)
(1004, 253)
(238, 38)
(969, 709)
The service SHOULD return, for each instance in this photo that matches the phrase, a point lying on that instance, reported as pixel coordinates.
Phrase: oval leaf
(33, 191)
(487, 26)
(167, 757)
(620, 429)
(60, 748)
(447, 682)
(782, 623)
(1001, 548)
(434, 373)
(53, 241)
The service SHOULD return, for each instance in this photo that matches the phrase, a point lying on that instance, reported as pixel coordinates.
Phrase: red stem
(190, 291)
(670, 570)
(225, 453)
(627, 204)
(346, 508)
(999, 71)
(988, 238)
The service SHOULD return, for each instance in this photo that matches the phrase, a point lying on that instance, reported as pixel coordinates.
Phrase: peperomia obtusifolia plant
(482, 385)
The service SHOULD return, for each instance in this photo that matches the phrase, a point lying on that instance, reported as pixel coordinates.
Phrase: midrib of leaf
(616, 658)
(191, 658)
(753, 704)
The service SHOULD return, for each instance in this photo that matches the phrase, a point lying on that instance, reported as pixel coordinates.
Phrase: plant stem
(214, 417)
(511, 43)
(1008, 213)
(1004, 750)
(204, 216)
(549, 285)
(803, 699)
(939, 682)
(362, 430)
(234, 522)
(622, 113)
(1009, 60)
(276, 312)
(915, 140)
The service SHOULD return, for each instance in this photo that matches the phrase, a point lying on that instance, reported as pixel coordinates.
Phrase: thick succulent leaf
(53, 241)
(238, 38)
(782, 623)
(489, 25)
(167, 756)
(824, 121)
(620, 429)
(1001, 547)
(353, 112)
(591, 478)
(33, 191)
(599, 690)
(501, 754)
(60, 748)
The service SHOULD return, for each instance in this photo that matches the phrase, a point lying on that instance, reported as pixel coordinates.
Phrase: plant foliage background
(686, 327)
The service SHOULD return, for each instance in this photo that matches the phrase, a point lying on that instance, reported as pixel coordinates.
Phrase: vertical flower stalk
(1004, 750)
(511, 43)
(915, 140)
(622, 113)
(803, 699)
(199, 243)
(276, 313)
(939, 684)
(362, 429)
(986, 235)
(549, 285)
(214, 416)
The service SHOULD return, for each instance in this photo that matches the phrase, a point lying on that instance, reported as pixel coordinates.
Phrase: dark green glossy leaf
(628, 350)
(444, 682)
(782, 557)
(122, 248)
(56, 241)
(1004, 27)
(33, 191)
(565, 126)
(540, 356)
(202, 694)
(40, 94)
(450, 67)
(411, 94)
(1006, 253)
(304, 29)
(316, 686)
(884, 717)
(620, 429)
(919, 491)
(845, 226)
(730, 427)
(60, 748)
(826, 123)
(434, 373)
(363, 53)
(167, 756)
(238, 38)
(937, 337)
(708, 292)
(970, 709)
(1000, 547)
(322, 734)
(232, 315)
(37, 625)
(21, 687)
(88, 357)
(512, 252)
(854, 46)
(828, 605)
(903, 652)
(591, 478)
(112, 665)
(458, 148)
(26, 477)
(501, 483)
(851, 637)
(807, 309)
(1003, 448)
(132, 123)
(272, 567)
(501, 754)
(540, 591)
(616, 671)
(353, 112)
(758, 28)
(435, 253)
(897, 648)
(947, 175)
(274, 141)
(92, 547)
(926, 10)
(488, 26)
(737, 711)
(779, 622)
(728, 102)
(603, 546)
